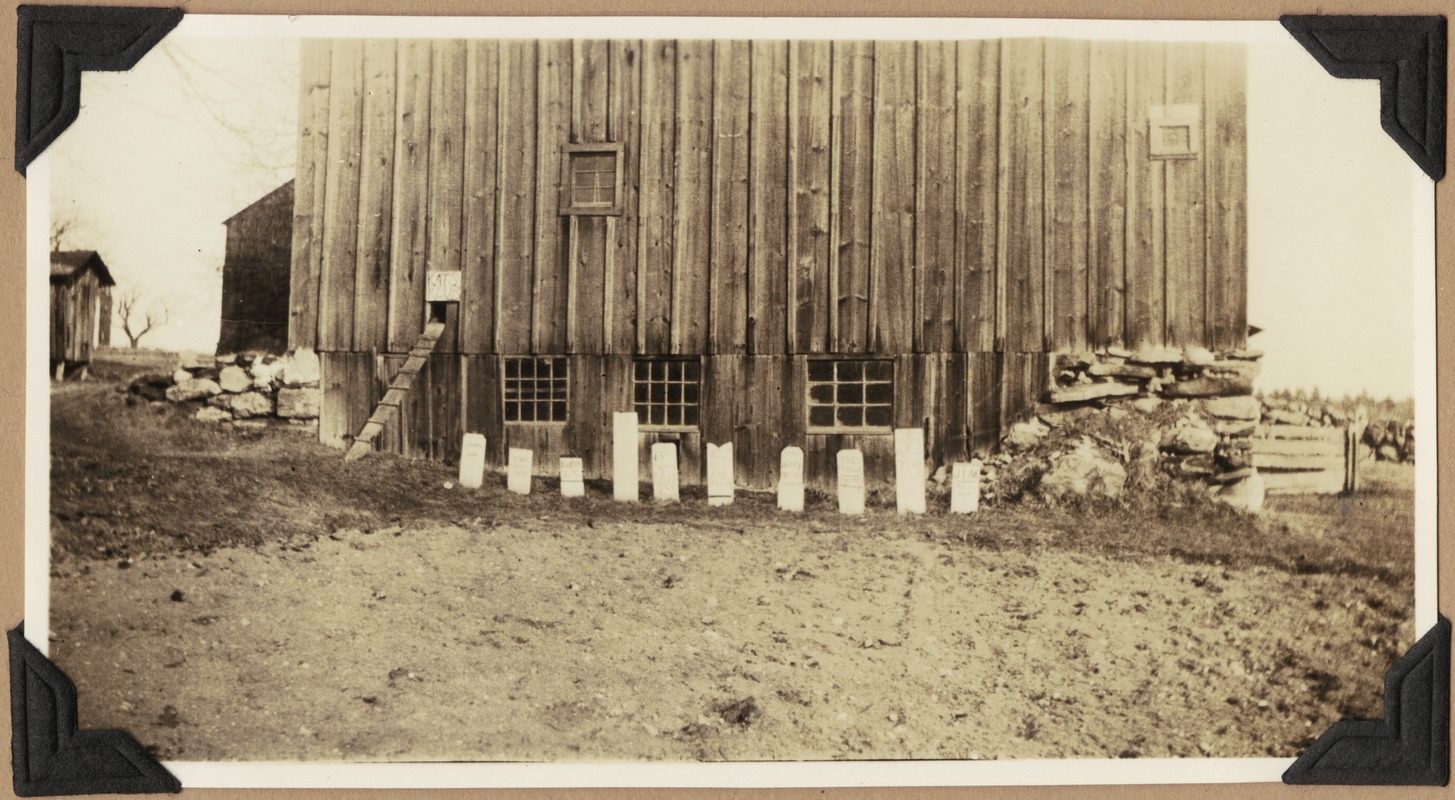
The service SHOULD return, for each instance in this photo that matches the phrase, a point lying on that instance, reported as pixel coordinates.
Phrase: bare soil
(245, 595)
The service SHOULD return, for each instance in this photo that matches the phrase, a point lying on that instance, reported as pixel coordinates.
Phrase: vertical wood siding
(961, 207)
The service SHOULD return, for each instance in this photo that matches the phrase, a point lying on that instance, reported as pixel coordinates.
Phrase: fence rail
(1297, 459)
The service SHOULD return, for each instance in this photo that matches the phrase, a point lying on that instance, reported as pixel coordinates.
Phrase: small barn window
(591, 183)
(535, 389)
(1174, 131)
(850, 394)
(667, 392)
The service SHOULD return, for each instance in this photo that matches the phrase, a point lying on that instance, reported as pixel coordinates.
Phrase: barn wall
(74, 306)
(255, 276)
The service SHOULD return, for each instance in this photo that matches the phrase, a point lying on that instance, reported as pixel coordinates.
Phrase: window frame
(568, 206)
(667, 428)
(839, 429)
(504, 384)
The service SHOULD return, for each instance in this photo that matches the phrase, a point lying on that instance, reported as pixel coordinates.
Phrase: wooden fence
(1297, 459)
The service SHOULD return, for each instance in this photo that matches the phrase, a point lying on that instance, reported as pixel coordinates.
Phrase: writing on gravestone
(573, 477)
(517, 478)
(851, 481)
(790, 479)
(472, 460)
(909, 470)
(624, 466)
(720, 474)
(965, 488)
(664, 473)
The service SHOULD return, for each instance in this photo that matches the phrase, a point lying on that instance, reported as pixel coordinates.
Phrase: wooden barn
(762, 242)
(255, 275)
(80, 307)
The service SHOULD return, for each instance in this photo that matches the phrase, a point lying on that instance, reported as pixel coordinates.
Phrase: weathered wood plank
(553, 127)
(852, 151)
(984, 370)
(447, 170)
(623, 124)
(1186, 217)
(1022, 383)
(515, 259)
(1226, 162)
(1108, 194)
(760, 407)
(310, 183)
(477, 261)
(586, 435)
(722, 391)
(409, 241)
(1326, 446)
(976, 194)
(690, 280)
(808, 220)
(1146, 315)
(656, 192)
(371, 281)
(1298, 432)
(892, 238)
(341, 202)
(483, 406)
(1323, 482)
(768, 310)
(728, 220)
(934, 200)
(444, 399)
(1020, 236)
(1067, 175)
(586, 297)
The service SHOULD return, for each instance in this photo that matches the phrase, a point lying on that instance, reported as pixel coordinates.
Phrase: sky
(160, 156)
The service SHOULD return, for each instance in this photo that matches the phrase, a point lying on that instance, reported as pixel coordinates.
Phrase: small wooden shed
(80, 306)
(255, 275)
(765, 242)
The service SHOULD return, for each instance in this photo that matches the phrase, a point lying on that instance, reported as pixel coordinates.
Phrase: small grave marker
(664, 473)
(517, 478)
(909, 470)
(624, 466)
(573, 478)
(851, 482)
(472, 460)
(720, 474)
(965, 488)
(790, 479)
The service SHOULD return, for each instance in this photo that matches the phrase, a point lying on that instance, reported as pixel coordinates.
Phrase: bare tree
(137, 322)
(66, 229)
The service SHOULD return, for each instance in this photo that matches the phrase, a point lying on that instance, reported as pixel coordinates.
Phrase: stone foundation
(244, 390)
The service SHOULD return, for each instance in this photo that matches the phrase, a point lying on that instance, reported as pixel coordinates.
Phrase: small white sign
(965, 487)
(720, 474)
(517, 477)
(624, 466)
(851, 482)
(472, 460)
(442, 287)
(790, 479)
(664, 473)
(573, 478)
(909, 470)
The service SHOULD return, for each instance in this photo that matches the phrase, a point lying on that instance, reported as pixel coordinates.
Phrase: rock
(220, 401)
(1073, 361)
(243, 360)
(224, 359)
(1130, 371)
(299, 403)
(210, 414)
(1235, 454)
(1190, 440)
(179, 376)
(1157, 356)
(192, 362)
(1197, 355)
(1233, 475)
(263, 375)
(1118, 352)
(1246, 494)
(1209, 387)
(940, 475)
(1083, 470)
(1091, 391)
(1387, 452)
(1199, 466)
(301, 368)
(193, 389)
(1239, 408)
(1245, 354)
(1281, 416)
(234, 379)
(251, 404)
(1233, 368)
(250, 424)
(1053, 419)
(1147, 405)
(1235, 427)
(1024, 435)
(150, 393)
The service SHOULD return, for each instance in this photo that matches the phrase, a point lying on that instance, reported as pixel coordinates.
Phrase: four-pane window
(591, 179)
(850, 394)
(667, 392)
(535, 389)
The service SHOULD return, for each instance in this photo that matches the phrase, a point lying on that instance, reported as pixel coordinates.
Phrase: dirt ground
(224, 595)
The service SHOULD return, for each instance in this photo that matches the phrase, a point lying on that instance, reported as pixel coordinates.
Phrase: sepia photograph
(686, 392)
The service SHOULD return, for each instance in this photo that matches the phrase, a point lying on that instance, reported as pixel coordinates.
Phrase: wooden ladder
(399, 388)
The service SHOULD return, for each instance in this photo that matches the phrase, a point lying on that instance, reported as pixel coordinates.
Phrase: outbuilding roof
(66, 265)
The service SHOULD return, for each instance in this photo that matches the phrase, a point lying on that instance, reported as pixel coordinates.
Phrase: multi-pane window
(535, 389)
(667, 392)
(591, 183)
(850, 393)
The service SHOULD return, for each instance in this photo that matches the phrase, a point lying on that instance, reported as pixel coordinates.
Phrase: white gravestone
(909, 470)
(851, 482)
(573, 478)
(517, 477)
(720, 474)
(624, 466)
(472, 460)
(664, 473)
(965, 488)
(790, 479)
